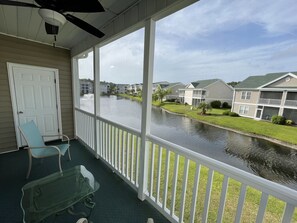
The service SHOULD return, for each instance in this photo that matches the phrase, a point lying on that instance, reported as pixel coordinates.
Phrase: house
(122, 88)
(104, 88)
(162, 84)
(86, 86)
(135, 88)
(174, 90)
(39, 81)
(261, 97)
(206, 91)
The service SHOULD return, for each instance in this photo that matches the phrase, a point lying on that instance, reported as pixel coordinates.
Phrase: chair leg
(30, 165)
(60, 163)
(69, 156)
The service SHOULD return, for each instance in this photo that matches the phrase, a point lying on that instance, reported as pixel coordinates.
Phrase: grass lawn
(274, 209)
(247, 125)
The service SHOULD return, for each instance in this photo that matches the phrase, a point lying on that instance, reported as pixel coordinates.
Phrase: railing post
(148, 65)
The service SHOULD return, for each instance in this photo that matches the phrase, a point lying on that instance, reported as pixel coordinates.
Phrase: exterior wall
(253, 100)
(282, 83)
(219, 91)
(104, 88)
(188, 96)
(122, 88)
(25, 52)
(175, 91)
(251, 112)
(86, 86)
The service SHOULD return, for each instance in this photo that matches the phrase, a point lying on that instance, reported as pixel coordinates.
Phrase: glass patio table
(58, 192)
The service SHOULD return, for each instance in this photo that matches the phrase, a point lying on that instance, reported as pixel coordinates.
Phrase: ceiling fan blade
(51, 29)
(85, 26)
(72, 5)
(15, 3)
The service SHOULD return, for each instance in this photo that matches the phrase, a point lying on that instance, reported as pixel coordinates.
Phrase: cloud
(209, 16)
(190, 65)
(181, 56)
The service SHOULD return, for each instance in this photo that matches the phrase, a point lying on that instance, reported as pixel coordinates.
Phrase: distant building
(86, 86)
(162, 84)
(206, 91)
(174, 90)
(261, 97)
(104, 88)
(134, 88)
(122, 88)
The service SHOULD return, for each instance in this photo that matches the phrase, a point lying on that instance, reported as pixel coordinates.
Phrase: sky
(225, 39)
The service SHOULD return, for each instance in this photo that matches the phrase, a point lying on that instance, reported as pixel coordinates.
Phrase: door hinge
(55, 81)
(58, 130)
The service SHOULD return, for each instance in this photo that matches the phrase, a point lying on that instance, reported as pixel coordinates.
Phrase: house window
(246, 95)
(243, 109)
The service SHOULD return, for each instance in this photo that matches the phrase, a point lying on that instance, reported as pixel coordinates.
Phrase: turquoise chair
(37, 148)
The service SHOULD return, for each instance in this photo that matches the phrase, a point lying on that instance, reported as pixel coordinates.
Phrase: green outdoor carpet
(115, 200)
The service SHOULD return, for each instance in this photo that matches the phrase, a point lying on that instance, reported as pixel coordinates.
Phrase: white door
(36, 99)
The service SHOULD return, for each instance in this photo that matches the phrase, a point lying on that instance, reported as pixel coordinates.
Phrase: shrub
(225, 105)
(289, 122)
(226, 112)
(233, 114)
(215, 104)
(279, 120)
(171, 100)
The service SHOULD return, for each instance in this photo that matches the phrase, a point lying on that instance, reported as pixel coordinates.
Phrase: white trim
(10, 67)
(34, 41)
(244, 103)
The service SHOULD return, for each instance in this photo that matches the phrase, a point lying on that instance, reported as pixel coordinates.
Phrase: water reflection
(268, 160)
(260, 157)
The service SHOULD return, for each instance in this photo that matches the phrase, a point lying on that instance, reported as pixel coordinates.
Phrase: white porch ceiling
(26, 23)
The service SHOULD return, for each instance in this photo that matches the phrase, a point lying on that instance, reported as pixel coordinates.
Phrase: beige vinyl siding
(251, 110)
(284, 82)
(219, 91)
(254, 97)
(20, 51)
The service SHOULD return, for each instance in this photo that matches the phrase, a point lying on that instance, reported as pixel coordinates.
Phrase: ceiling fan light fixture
(52, 17)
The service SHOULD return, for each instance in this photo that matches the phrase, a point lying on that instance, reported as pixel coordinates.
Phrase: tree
(161, 93)
(233, 83)
(139, 92)
(204, 107)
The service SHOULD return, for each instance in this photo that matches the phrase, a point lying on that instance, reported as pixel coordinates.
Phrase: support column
(96, 64)
(148, 66)
(75, 89)
(283, 100)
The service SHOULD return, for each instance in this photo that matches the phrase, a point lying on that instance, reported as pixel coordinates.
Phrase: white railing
(84, 125)
(292, 103)
(189, 187)
(200, 96)
(117, 145)
(270, 101)
(186, 186)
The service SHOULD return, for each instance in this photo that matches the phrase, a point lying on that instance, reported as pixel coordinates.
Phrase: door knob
(20, 112)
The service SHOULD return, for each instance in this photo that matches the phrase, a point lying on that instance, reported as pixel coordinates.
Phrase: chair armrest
(45, 147)
(63, 136)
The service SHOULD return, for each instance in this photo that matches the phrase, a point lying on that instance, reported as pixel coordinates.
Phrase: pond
(260, 157)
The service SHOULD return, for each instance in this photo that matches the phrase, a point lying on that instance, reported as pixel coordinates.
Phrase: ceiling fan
(53, 13)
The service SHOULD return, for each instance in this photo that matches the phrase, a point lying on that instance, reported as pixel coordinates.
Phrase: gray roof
(203, 83)
(173, 84)
(257, 81)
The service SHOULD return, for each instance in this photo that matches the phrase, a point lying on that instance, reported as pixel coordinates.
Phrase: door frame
(12, 88)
